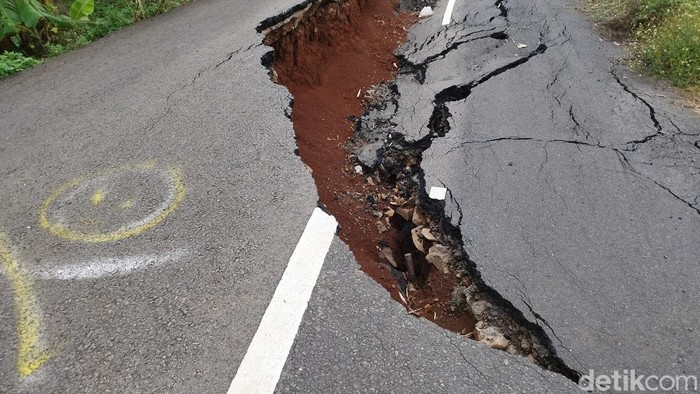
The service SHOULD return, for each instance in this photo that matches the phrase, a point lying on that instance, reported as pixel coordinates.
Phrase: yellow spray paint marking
(98, 197)
(31, 355)
(64, 231)
(128, 204)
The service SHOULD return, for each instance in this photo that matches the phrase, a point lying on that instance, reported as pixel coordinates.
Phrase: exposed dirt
(328, 56)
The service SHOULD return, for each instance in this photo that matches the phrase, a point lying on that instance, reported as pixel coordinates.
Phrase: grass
(109, 16)
(664, 35)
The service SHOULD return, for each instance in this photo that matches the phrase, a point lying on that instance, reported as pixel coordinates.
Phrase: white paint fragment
(111, 266)
(425, 12)
(437, 193)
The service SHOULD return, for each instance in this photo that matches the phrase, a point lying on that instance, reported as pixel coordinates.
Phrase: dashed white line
(262, 364)
(448, 13)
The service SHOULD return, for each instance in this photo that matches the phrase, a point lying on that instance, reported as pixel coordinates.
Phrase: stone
(418, 217)
(470, 294)
(440, 256)
(525, 345)
(480, 309)
(389, 256)
(491, 336)
(418, 241)
(427, 234)
(369, 154)
(406, 213)
(381, 227)
(512, 350)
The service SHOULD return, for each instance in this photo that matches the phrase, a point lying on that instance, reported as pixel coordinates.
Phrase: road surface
(153, 200)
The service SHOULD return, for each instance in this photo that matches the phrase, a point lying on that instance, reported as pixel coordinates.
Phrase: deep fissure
(327, 53)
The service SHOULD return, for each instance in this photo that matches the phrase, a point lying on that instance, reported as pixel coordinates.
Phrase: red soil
(340, 50)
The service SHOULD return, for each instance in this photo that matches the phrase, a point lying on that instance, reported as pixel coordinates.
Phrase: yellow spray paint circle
(113, 204)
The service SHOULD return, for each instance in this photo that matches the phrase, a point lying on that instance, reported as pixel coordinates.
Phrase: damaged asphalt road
(575, 184)
(186, 202)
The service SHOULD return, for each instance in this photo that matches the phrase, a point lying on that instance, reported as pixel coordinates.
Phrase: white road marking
(113, 266)
(262, 365)
(448, 13)
(438, 193)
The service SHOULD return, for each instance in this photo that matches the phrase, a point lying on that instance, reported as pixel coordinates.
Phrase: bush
(13, 62)
(669, 46)
(667, 34)
(26, 24)
(654, 11)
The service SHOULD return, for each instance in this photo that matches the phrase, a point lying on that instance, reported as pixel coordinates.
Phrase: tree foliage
(21, 21)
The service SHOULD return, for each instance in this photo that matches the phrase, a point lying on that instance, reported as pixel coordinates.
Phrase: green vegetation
(109, 16)
(24, 24)
(33, 29)
(14, 62)
(665, 35)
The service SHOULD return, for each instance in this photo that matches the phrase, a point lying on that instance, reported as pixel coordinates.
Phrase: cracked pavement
(575, 183)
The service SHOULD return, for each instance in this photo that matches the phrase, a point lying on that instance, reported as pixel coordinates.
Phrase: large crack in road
(369, 176)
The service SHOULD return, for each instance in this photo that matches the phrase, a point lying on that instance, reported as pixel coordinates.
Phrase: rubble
(406, 213)
(418, 240)
(440, 256)
(418, 217)
(491, 336)
(427, 234)
(389, 256)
